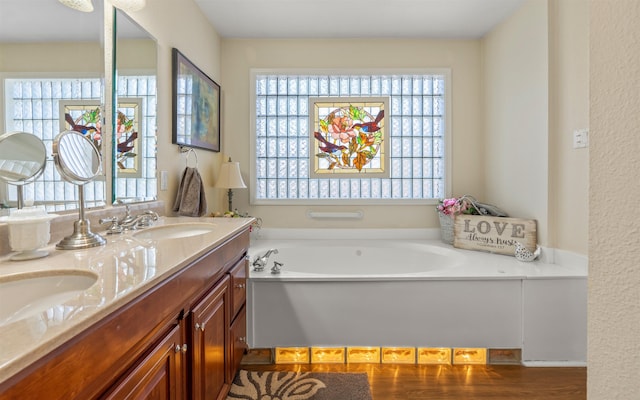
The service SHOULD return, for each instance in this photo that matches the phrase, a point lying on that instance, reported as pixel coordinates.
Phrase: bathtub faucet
(261, 261)
(276, 267)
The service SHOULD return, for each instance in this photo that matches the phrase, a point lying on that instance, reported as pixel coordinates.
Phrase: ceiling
(356, 18)
(28, 20)
(24, 21)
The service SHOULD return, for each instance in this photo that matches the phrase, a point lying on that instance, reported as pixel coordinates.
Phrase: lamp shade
(80, 5)
(229, 176)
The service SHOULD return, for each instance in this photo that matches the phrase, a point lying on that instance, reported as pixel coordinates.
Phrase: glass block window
(143, 186)
(32, 105)
(417, 129)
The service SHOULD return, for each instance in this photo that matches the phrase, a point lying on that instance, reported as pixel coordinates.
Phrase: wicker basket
(446, 227)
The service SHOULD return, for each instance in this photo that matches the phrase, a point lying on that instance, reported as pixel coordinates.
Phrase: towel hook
(189, 151)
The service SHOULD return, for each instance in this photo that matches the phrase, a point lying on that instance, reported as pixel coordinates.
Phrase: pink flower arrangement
(455, 206)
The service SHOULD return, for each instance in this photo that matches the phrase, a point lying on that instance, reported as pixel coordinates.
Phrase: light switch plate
(164, 176)
(580, 138)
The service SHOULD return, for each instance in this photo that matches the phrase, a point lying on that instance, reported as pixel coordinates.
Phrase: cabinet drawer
(237, 343)
(238, 286)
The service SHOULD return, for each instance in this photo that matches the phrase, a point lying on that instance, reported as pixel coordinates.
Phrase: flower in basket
(455, 206)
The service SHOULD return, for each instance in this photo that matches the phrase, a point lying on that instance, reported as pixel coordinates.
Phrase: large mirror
(51, 76)
(134, 155)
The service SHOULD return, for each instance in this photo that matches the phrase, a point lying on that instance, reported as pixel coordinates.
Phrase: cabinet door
(238, 286)
(209, 321)
(237, 343)
(159, 375)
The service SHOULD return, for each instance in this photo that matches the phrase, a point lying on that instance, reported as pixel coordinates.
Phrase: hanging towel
(190, 199)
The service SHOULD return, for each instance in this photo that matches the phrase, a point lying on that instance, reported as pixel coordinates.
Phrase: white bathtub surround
(405, 288)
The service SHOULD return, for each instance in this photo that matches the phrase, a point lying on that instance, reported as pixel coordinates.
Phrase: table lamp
(230, 178)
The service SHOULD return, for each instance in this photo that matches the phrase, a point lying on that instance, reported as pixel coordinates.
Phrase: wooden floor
(468, 382)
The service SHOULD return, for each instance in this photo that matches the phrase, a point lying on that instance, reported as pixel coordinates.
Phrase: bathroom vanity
(165, 319)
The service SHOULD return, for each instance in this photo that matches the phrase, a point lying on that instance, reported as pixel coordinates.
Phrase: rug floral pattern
(279, 385)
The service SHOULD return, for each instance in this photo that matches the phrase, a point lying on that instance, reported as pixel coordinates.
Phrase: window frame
(447, 136)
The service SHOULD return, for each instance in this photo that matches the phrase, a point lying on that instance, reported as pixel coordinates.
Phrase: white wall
(614, 269)
(462, 56)
(515, 65)
(184, 27)
(568, 111)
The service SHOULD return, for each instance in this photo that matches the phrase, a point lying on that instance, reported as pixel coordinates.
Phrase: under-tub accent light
(129, 5)
(398, 355)
(363, 354)
(80, 5)
(434, 355)
(333, 355)
(230, 178)
(469, 356)
(292, 355)
(504, 356)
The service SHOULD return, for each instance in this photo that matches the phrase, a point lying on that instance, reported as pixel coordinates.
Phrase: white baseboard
(554, 363)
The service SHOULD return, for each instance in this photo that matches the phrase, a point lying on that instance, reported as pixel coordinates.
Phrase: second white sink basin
(176, 231)
(27, 294)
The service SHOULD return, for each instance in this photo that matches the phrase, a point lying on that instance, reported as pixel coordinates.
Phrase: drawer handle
(200, 326)
(240, 286)
(242, 339)
(182, 348)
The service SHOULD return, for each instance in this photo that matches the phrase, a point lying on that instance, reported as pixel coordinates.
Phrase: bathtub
(405, 288)
(356, 259)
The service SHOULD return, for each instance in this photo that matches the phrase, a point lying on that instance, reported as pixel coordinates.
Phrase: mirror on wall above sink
(52, 65)
(134, 156)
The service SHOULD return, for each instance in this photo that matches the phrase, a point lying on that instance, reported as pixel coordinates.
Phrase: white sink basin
(176, 231)
(27, 294)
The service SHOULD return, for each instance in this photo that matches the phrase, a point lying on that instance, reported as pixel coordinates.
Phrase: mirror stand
(20, 196)
(78, 161)
(82, 237)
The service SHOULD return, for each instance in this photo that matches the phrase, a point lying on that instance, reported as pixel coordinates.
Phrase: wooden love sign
(493, 234)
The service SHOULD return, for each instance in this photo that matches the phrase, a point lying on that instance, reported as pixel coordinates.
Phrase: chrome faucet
(261, 261)
(129, 222)
(276, 267)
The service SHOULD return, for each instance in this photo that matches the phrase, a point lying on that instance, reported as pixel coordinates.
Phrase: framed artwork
(196, 106)
(349, 138)
(85, 116)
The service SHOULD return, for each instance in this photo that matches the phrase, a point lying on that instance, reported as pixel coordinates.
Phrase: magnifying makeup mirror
(22, 159)
(78, 161)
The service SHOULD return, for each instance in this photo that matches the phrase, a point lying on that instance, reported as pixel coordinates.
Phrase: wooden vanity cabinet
(209, 362)
(159, 375)
(237, 342)
(171, 342)
(238, 328)
(218, 335)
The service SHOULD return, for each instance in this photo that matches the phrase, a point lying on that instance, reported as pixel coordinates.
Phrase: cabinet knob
(242, 339)
(240, 285)
(182, 348)
(200, 326)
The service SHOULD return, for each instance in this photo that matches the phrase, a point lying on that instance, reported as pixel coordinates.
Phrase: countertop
(126, 267)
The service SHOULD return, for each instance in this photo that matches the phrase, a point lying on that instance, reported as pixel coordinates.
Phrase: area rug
(280, 385)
